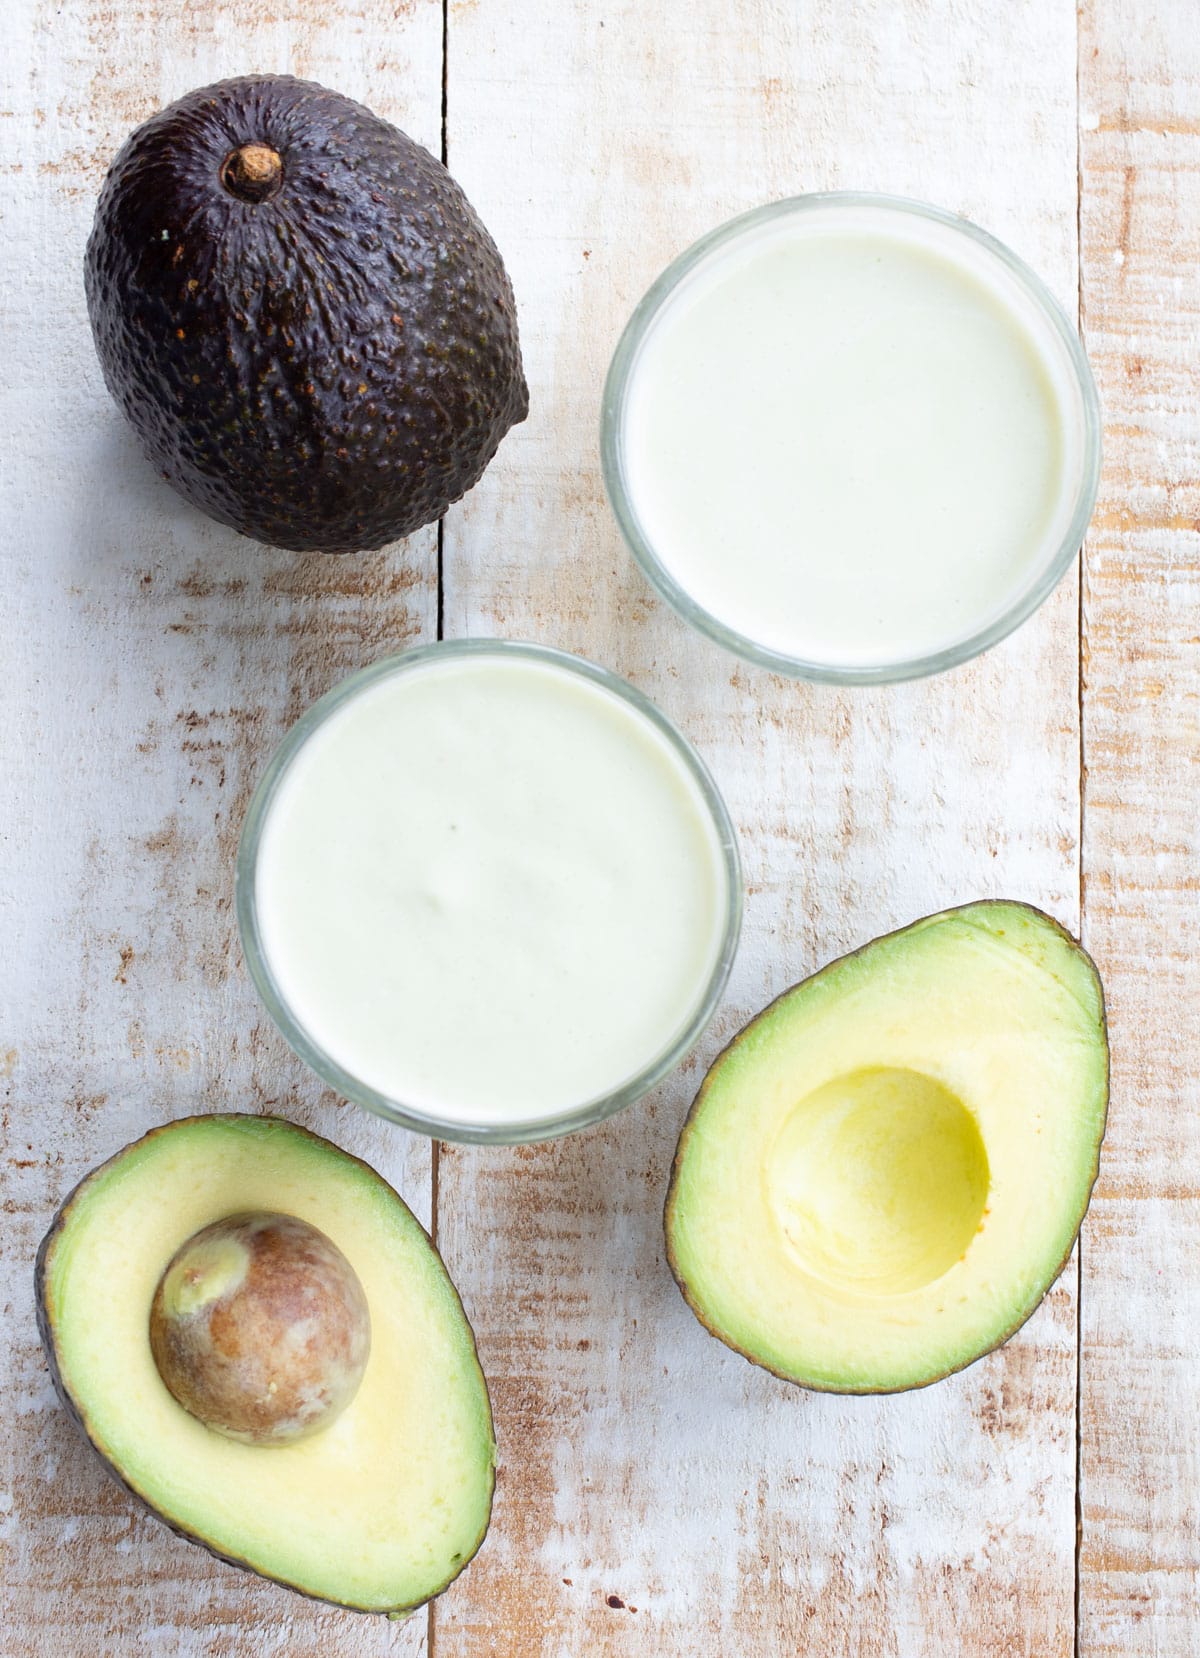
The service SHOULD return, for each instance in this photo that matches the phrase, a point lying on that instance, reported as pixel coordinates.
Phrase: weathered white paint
(1140, 1408)
(640, 1459)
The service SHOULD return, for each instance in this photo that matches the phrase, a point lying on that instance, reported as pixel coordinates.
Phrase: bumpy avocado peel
(301, 315)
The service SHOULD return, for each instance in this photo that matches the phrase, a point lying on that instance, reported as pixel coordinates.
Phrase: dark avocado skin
(45, 1324)
(693, 1112)
(325, 370)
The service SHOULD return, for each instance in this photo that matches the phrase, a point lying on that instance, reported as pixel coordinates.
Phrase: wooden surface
(1140, 1310)
(657, 1495)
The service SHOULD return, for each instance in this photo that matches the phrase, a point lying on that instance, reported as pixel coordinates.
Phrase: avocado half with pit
(886, 1170)
(334, 1431)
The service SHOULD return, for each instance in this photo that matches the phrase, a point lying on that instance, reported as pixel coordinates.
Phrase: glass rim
(353, 1088)
(612, 412)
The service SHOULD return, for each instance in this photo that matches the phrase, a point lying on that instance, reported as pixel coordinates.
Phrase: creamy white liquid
(490, 890)
(852, 437)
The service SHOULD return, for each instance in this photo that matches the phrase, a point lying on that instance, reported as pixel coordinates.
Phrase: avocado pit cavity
(879, 1181)
(260, 1329)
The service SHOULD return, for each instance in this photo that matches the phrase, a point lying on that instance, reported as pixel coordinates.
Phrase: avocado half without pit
(260, 1341)
(883, 1174)
(301, 315)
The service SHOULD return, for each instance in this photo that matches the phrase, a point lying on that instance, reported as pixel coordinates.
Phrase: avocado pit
(260, 1328)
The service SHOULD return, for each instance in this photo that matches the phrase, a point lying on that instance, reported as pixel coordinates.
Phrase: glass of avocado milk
(488, 891)
(851, 437)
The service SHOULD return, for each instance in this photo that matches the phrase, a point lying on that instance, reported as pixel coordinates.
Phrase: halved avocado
(380, 1510)
(883, 1174)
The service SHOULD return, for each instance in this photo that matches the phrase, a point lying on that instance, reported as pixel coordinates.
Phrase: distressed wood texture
(657, 1494)
(1140, 1407)
(152, 660)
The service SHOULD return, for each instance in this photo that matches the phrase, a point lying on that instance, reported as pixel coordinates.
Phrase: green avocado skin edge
(45, 1323)
(964, 911)
(324, 369)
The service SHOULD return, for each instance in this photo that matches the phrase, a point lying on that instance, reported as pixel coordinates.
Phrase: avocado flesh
(886, 1170)
(381, 1509)
(325, 363)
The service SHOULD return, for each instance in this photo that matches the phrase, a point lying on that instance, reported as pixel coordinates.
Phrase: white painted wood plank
(640, 1460)
(151, 662)
(1140, 1408)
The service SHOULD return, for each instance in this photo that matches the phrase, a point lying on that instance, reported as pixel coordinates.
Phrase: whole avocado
(301, 315)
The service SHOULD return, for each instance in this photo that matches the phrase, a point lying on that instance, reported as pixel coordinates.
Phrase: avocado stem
(252, 172)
